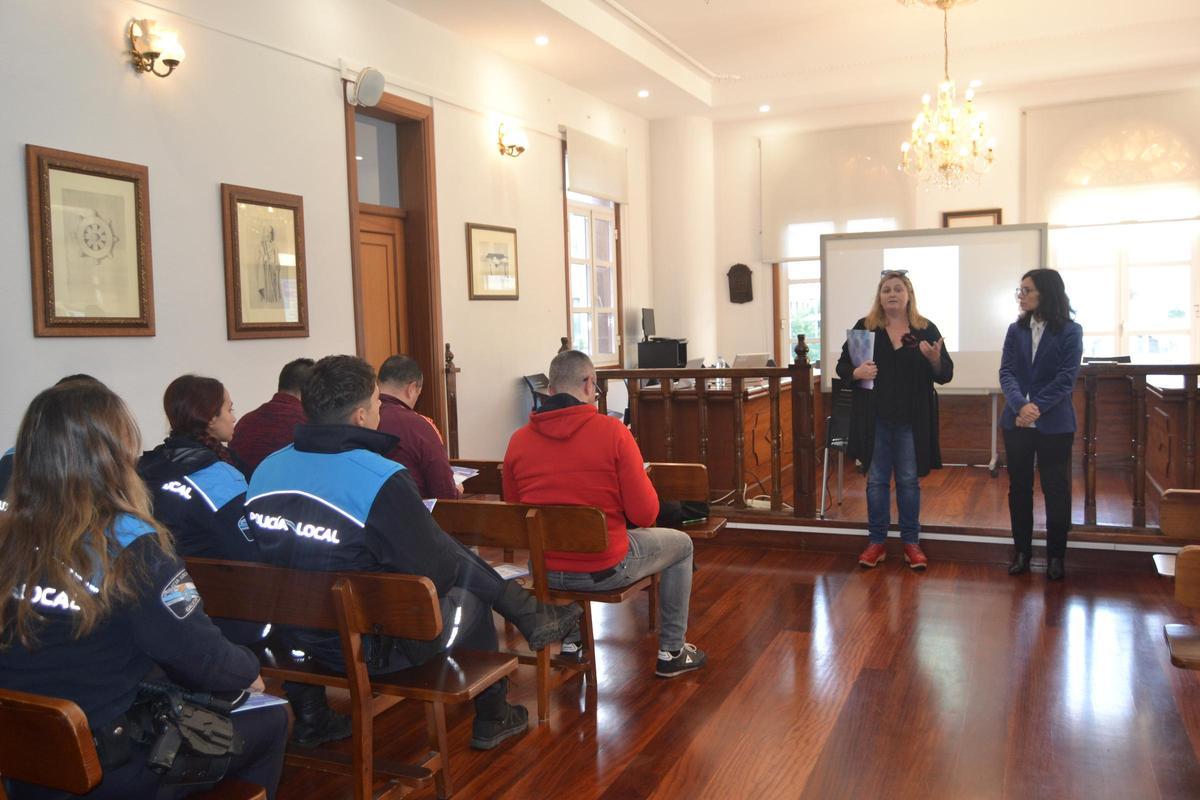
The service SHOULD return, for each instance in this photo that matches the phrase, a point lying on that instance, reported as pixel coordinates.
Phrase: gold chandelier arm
(946, 41)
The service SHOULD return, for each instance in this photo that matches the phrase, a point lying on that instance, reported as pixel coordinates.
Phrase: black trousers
(1052, 454)
(263, 729)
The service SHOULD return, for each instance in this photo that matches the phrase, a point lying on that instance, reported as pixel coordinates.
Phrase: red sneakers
(872, 555)
(914, 557)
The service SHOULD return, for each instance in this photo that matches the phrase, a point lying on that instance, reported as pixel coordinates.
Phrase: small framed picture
(89, 230)
(970, 219)
(491, 262)
(266, 295)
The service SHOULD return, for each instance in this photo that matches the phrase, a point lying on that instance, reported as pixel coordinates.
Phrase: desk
(650, 429)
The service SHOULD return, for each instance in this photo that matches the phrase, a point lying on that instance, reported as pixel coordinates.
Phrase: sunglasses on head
(892, 273)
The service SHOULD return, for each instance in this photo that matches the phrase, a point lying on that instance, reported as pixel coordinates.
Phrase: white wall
(258, 102)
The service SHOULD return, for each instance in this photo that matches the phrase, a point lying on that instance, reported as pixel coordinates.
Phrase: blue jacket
(1046, 381)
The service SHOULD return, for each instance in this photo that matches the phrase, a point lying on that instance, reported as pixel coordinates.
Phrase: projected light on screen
(934, 275)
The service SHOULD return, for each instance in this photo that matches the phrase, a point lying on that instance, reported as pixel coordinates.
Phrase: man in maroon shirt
(272, 425)
(420, 448)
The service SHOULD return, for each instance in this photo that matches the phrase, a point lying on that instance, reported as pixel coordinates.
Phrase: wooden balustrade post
(776, 447)
(635, 389)
(702, 417)
(1189, 439)
(1139, 451)
(1089, 450)
(804, 478)
(451, 402)
(602, 394)
(668, 420)
(739, 445)
(565, 344)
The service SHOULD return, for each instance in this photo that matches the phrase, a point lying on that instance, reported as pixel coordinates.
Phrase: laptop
(750, 360)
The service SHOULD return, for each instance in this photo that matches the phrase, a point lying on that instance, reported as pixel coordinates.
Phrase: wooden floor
(969, 497)
(829, 681)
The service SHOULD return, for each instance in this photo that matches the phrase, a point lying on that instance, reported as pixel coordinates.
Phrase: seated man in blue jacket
(333, 502)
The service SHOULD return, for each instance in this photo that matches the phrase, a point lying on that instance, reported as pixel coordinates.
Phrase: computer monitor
(647, 324)
(750, 360)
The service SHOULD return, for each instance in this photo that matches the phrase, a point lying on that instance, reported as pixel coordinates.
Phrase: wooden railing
(704, 390)
(451, 403)
(1135, 374)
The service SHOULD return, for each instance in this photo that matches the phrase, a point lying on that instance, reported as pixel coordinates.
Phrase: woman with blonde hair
(894, 424)
(93, 599)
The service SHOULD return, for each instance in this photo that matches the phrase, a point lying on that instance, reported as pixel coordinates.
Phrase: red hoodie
(576, 456)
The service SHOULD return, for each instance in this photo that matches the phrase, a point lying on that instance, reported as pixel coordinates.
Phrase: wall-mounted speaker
(367, 89)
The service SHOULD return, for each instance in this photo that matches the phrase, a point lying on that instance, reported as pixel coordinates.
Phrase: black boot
(1019, 564)
(316, 723)
(540, 624)
(1054, 569)
(496, 720)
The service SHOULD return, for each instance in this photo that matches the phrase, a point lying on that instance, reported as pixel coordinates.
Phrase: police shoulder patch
(180, 595)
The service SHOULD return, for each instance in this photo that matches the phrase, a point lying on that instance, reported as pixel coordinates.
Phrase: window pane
(1154, 349)
(605, 287)
(1159, 298)
(1093, 297)
(581, 332)
(606, 336)
(804, 316)
(1100, 346)
(602, 230)
(804, 271)
(377, 159)
(579, 236)
(1168, 241)
(579, 286)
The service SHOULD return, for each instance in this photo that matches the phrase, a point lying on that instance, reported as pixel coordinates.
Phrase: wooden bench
(46, 741)
(487, 482)
(354, 604)
(686, 482)
(578, 529)
(1184, 640)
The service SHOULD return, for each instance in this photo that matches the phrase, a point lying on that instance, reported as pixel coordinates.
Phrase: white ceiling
(801, 55)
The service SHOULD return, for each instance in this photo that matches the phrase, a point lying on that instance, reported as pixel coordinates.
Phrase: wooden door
(383, 300)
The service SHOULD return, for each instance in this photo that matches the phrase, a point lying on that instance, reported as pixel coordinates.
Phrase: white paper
(510, 571)
(861, 345)
(260, 700)
(463, 474)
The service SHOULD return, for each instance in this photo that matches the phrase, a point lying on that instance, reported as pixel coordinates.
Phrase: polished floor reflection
(826, 681)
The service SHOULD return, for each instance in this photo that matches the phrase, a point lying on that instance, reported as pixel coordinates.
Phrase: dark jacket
(266, 429)
(925, 404)
(1046, 381)
(570, 454)
(166, 626)
(332, 502)
(418, 447)
(6, 465)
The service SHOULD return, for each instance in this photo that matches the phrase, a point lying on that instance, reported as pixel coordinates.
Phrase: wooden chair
(577, 529)
(686, 482)
(354, 604)
(46, 741)
(1184, 640)
(1179, 518)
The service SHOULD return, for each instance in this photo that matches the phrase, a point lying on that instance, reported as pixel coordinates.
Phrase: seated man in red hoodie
(570, 454)
(272, 425)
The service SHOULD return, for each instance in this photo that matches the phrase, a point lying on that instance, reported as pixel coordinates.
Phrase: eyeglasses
(1024, 291)
(892, 273)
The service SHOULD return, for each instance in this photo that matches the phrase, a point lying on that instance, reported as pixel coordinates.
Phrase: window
(592, 277)
(802, 282)
(1132, 287)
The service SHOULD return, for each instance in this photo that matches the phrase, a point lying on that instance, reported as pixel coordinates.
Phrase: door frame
(418, 177)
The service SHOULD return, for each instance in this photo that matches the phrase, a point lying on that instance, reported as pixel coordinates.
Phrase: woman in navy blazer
(1042, 352)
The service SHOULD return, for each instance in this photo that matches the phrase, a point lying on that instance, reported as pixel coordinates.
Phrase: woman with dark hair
(93, 597)
(894, 425)
(1038, 367)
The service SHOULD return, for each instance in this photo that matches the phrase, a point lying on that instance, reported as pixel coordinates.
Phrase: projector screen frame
(828, 342)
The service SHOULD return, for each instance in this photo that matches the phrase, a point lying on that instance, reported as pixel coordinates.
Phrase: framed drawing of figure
(266, 295)
(491, 262)
(89, 245)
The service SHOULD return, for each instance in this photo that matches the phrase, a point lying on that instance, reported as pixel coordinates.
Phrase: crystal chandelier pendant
(949, 145)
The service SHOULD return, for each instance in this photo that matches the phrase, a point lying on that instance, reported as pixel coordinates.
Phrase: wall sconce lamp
(150, 47)
(512, 143)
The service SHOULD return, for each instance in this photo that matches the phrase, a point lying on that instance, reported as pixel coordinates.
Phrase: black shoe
(672, 664)
(1054, 569)
(487, 733)
(540, 624)
(1019, 564)
(316, 723)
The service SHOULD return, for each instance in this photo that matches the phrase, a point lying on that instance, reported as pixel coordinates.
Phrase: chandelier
(949, 143)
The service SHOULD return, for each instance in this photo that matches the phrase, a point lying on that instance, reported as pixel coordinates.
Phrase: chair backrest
(837, 424)
(1107, 359)
(1187, 576)
(404, 606)
(1179, 513)
(674, 481)
(539, 388)
(575, 529)
(46, 741)
(488, 481)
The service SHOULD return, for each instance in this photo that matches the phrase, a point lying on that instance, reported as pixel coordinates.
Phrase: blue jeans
(663, 550)
(894, 450)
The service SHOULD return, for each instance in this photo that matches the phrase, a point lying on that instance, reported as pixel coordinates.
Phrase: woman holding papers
(1041, 359)
(894, 419)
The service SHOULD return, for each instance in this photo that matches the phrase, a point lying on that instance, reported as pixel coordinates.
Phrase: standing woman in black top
(93, 597)
(894, 426)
